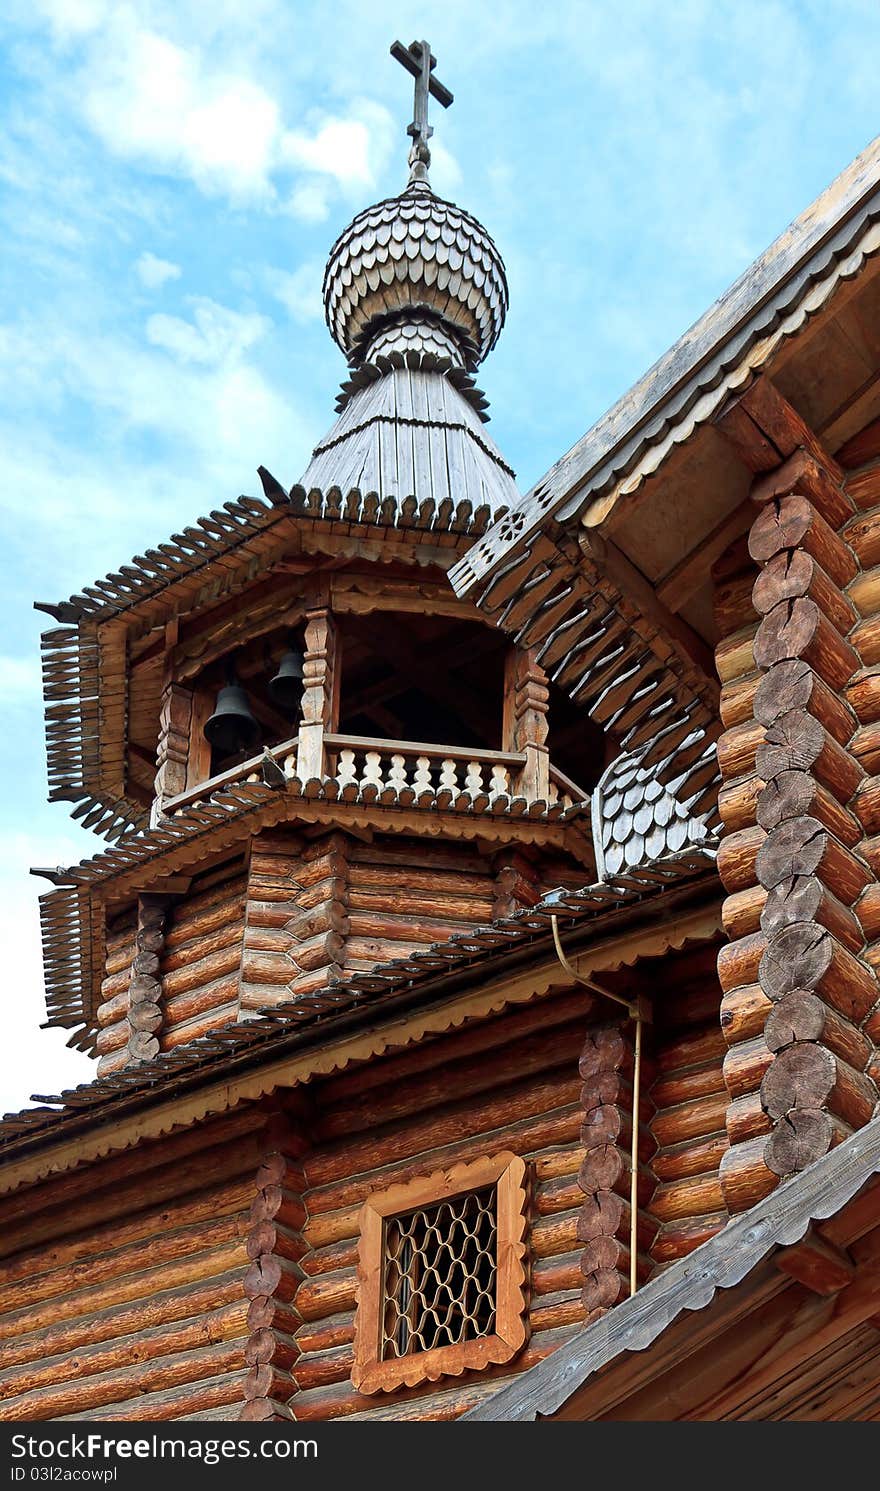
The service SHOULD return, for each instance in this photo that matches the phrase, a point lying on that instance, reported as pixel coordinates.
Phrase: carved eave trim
(93, 1110)
(636, 671)
(85, 668)
(769, 303)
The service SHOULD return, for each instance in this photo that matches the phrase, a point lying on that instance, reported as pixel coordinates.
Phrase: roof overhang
(469, 975)
(769, 303)
(605, 565)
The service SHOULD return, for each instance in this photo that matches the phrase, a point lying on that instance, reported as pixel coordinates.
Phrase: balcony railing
(406, 773)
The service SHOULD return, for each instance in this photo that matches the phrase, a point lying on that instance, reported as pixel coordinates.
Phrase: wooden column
(145, 989)
(172, 755)
(603, 1227)
(321, 678)
(296, 917)
(796, 987)
(525, 721)
(274, 1246)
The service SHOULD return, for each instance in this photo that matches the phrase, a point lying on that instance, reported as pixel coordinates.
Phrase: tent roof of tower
(109, 626)
(407, 423)
(425, 975)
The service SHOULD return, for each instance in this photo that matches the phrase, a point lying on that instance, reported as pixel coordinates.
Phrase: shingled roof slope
(788, 281)
(417, 971)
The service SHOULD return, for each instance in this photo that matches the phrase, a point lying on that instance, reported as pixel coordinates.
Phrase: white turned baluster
(372, 773)
(397, 773)
(422, 780)
(288, 765)
(552, 793)
(499, 786)
(473, 780)
(448, 775)
(346, 773)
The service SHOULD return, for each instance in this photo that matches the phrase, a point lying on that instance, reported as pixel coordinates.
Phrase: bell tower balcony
(431, 714)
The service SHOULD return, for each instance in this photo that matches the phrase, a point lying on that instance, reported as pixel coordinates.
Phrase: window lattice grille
(440, 1274)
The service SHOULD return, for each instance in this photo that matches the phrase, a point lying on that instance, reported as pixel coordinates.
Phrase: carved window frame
(372, 1373)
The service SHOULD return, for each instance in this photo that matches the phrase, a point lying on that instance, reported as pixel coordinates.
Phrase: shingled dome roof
(415, 252)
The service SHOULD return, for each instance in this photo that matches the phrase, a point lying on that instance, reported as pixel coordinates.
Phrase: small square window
(442, 1275)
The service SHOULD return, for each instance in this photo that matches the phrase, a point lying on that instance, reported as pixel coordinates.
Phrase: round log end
(798, 1139)
(799, 1016)
(801, 1076)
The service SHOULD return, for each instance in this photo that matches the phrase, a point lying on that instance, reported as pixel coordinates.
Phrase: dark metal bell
(232, 727)
(285, 689)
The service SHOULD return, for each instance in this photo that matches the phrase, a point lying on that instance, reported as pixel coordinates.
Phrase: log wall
(199, 970)
(796, 611)
(193, 963)
(510, 1083)
(688, 1102)
(122, 1284)
(301, 913)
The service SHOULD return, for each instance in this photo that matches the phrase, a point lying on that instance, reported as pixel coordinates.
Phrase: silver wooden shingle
(637, 819)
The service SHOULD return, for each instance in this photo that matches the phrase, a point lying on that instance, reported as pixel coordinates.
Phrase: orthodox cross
(420, 62)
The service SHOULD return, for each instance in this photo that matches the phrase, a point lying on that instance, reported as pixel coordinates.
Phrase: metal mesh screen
(440, 1274)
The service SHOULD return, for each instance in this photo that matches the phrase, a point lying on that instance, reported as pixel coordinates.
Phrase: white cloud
(445, 171)
(154, 272)
(310, 201)
(167, 434)
(344, 149)
(300, 291)
(215, 335)
(193, 111)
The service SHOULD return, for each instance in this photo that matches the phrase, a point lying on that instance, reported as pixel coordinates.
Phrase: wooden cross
(419, 60)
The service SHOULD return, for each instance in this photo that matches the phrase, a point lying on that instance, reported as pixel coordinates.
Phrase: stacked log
(405, 894)
(689, 1098)
(295, 923)
(112, 1012)
(145, 987)
(517, 881)
(200, 962)
(604, 1225)
(274, 1246)
(122, 1281)
(795, 986)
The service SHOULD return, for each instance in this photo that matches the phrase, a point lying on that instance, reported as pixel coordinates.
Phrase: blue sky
(171, 178)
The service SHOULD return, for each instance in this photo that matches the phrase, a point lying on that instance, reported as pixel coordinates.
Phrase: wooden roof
(413, 430)
(421, 972)
(686, 386)
(637, 818)
(758, 1353)
(85, 662)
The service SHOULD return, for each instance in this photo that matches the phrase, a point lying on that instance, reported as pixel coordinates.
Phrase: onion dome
(415, 253)
(415, 295)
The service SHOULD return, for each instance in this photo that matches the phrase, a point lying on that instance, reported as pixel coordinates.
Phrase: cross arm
(408, 57)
